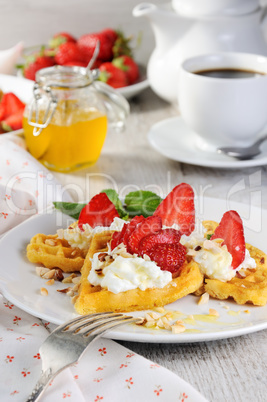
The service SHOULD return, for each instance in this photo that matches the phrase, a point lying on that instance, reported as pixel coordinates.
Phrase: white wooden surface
(227, 370)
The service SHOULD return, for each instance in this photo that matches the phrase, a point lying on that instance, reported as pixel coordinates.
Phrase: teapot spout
(168, 27)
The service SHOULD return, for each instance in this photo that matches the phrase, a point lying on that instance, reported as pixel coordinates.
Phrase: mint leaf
(114, 198)
(72, 209)
(208, 236)
(142, 203)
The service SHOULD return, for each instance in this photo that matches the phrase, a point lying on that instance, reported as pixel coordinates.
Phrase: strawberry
(169, 257)
(10, 104)
(149, 225)
(164, 236)
(60, 38)
(178, 207)
(231, 230)
(117, 237)
(13, 122)
(75, 63)
(35, 64)
(129, 66)
(87, 44)
(112, 75)
(68, 52)
(131, 227)
(100, 211)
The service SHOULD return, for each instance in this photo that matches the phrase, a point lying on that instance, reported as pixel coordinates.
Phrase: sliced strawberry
(100, 211)
(131, 227)
(231, 230)
(13, 122)
(11, 104)
(178, 207)
(152, 224)
(169, 257)
(117, 237)
(169, 236)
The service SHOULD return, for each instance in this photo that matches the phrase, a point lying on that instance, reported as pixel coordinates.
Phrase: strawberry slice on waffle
(178, 207)
(169, 257)
(231, 230)
(152, 224)
(100, 211)
(164, 236)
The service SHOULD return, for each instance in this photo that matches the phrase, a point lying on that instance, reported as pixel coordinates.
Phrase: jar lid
(65, 77)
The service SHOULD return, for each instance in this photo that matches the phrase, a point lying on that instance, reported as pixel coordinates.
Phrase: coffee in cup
(223, 98)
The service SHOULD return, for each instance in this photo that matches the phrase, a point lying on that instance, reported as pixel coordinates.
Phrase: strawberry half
(169, 257)
(178, 207)
(131, 227)
(164, 236)
(100, 211)
(117, 237)
(231, 230)
(152, 224)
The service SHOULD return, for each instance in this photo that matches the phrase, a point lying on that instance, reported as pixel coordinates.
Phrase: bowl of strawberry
(115, 60)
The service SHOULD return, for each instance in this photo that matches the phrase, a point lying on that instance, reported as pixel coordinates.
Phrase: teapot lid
(208, 8)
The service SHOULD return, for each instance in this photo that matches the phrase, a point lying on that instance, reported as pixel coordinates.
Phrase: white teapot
(188, 28)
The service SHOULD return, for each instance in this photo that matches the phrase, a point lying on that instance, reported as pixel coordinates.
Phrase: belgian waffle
(248, 286)
(53, 252)
(92, 299)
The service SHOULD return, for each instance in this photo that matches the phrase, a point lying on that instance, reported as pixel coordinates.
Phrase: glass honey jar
(66, 123)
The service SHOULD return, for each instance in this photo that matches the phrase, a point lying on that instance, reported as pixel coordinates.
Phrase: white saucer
(173, 139)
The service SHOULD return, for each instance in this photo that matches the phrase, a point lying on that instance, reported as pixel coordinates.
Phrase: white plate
(20, 284)
(20, 87)
(173, 139)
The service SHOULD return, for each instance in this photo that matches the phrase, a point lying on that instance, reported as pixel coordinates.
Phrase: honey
(71, 143)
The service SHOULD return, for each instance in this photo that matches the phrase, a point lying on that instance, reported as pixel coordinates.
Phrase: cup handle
(117, 107)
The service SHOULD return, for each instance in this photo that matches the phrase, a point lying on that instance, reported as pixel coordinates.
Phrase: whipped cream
(82, 238)
(124, 274)
(214, 260)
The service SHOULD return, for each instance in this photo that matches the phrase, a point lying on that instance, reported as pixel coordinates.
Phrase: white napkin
(9, 58)
(107, 371)
(26, 186)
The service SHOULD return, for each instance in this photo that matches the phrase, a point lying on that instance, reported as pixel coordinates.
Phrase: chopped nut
(99, 271)
(50, 242)
(73, 253)
(41, 271)
(74, 298)
(155, 315)
(66, 290)
(76, 280)
(177, 329)
(247, 311)
(76, 287)
(44, 291)
(102, 256)
(204, 298)
(50, 282)
(159, 309)
(69, 278)
(213, 312)
(49, 274)
(58, 275)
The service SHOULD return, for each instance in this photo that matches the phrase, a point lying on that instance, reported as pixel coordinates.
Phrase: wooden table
(225, 370)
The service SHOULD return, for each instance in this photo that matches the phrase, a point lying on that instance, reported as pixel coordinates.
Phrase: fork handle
(40, 386)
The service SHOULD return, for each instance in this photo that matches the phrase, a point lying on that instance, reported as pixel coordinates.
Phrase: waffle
(248, 286)
(53, 252)
(93, 299)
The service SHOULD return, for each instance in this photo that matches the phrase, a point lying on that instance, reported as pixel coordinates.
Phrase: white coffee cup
(224, 111)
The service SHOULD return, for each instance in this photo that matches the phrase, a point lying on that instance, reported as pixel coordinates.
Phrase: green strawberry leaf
(72, 209)
(142, 203)
(114, 197)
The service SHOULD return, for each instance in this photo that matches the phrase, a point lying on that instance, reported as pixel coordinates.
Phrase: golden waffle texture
(248, 286)
(92, 299)
(53, 252)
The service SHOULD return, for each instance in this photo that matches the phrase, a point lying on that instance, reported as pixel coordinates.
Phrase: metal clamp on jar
(65, 124)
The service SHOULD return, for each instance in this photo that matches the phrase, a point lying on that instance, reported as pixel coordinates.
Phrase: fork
(66, 344)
